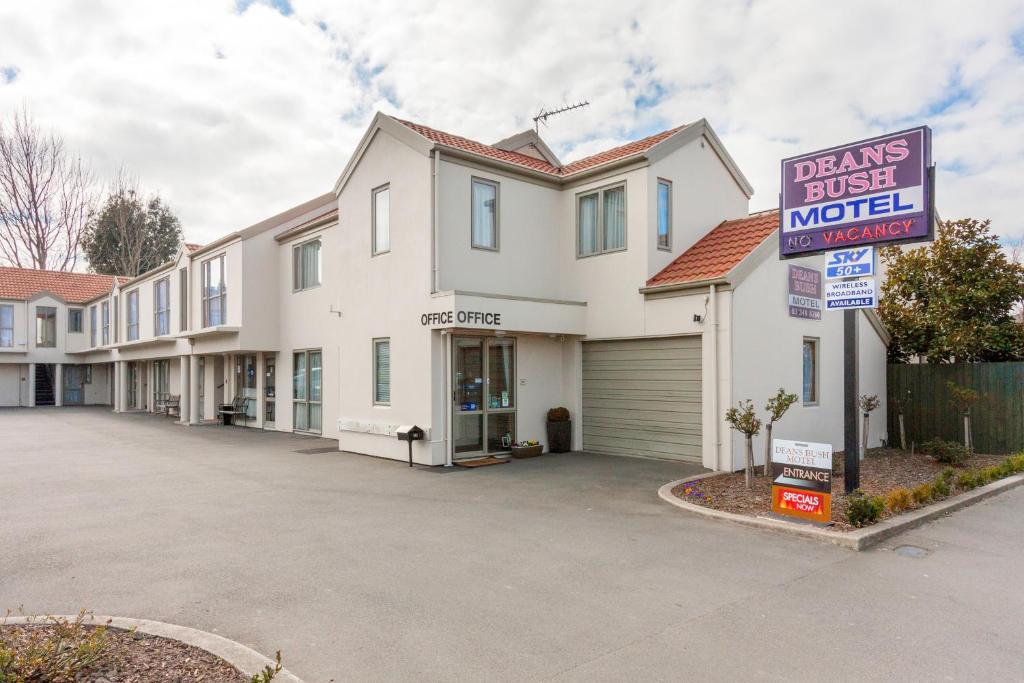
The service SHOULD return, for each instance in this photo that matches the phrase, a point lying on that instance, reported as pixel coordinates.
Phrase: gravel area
(140, 658)
(882, 470)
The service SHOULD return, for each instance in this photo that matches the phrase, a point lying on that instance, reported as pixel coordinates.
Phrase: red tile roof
(608, 156)
(74, 288)
(719, 251)
(191, 246)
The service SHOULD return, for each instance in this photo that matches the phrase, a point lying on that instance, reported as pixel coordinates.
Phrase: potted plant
(527, 449)
(559, 430)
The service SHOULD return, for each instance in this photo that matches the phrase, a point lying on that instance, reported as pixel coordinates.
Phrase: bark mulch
(137, 657)
(882, 470)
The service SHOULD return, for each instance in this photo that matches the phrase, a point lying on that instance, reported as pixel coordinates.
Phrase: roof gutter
(679, 286)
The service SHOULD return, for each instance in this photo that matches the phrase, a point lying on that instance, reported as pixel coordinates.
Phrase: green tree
(953, 300)
(131, 234)
(777, 407)
(742, 418)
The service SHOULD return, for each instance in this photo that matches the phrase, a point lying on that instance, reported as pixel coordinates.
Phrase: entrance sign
(868, 192)
(843, 294)
(804, 293)
(850, 263)
(802, 480)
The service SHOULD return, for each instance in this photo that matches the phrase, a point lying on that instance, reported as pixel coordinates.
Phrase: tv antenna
(542, 116)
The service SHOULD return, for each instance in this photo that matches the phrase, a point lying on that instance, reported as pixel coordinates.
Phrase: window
(6, 326)
(133, 315)
(46, 326)
(106, 321)
(117, 321)
(74, 320)
(484, 214)
(601, 221)
(215, 293)
(810, 363)
(92, 326)
(162, 307)
(381, 220)
(306, 265)
(382, 371)
(664, 214)
(183, 299)
(307, 390)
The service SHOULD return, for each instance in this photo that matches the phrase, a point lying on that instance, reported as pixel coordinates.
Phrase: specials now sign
(802, 480)
(869, 192)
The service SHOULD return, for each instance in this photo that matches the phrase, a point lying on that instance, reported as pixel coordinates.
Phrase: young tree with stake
(962, 399)
(899, 404)
(743, 420)
(868, 404)
(777, 407)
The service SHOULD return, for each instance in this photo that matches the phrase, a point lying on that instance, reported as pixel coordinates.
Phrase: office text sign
(802, 480)
(869, 192)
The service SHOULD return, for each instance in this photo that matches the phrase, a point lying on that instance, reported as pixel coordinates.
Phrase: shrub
(947, 474)
(898, 500)
(992, 473)
(921, 493)
(864, 510)
(269, 672)
(940, 487)
(1018, 462)
(948, 452)
(64, 650)
(558, 414)
(967, 480)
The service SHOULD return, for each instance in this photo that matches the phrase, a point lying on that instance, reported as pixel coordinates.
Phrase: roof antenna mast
(543, 114)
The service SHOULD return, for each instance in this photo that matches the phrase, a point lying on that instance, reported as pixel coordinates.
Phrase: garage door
(642, 397)
(10, 384)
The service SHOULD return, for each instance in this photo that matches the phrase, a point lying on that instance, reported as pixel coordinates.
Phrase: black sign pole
(851, 449)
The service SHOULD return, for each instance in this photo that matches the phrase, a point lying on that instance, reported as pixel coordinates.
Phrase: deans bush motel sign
(851, 197)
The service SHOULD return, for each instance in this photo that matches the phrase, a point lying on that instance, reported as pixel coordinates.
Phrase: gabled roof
(74, 288)
(630, 149)
(191, 246)
(718, 252)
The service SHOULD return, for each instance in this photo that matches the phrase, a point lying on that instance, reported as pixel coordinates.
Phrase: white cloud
(234, 116)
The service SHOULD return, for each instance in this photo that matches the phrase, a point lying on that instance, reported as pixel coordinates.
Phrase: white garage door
(10, 384)
(642, 397)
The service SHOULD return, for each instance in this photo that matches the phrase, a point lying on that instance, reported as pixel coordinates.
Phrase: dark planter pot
(560, 436)
(527, 451)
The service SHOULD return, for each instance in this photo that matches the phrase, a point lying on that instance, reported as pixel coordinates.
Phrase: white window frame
(373, 210)
(183, 299)
(222, 294)
(379, 341)
(657, 227)
(105, 310)
(93, 327)
(157, 311)
(81, 320)
(816, 370)
(8, 342)
(600, 192)
(131, 325)
(41, 341)
(474, 181)
(298, 273)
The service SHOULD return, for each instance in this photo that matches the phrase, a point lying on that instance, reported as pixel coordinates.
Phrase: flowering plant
(526, 444)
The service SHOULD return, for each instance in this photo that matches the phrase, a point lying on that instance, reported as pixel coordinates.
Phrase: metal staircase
(44, 385)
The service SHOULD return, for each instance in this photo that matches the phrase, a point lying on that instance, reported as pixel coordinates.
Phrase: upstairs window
(601, 221)
(485, 214)
(810, 365)
(664, 215)
(183, 299)
(382, 220)
(162, 307)
(74, 320)
(215, 293)
(306, 265)
(133, 315)
(46, 326)
(106, 322)
(92, 326)
(6, 326)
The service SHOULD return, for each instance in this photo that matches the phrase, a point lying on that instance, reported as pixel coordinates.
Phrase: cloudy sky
(236, 109)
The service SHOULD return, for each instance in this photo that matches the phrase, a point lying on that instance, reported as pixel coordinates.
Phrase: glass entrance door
(484, 411)
(269, 388)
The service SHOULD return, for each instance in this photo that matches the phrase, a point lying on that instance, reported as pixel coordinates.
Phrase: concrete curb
(858, 539)
(243, 658)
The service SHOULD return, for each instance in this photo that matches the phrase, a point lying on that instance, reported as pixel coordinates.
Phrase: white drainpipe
(714, 375)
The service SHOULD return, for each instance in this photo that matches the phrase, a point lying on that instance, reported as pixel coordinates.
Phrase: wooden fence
(997, 419)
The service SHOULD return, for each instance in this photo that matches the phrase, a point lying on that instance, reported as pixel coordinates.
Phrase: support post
(185, 398)
(193, 397)
(851, 446)
(31, 385)
(58, 384)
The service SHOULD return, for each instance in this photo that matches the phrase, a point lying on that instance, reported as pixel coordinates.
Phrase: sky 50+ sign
(869, 192)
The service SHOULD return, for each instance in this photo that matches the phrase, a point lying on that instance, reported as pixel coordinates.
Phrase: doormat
(481, 462)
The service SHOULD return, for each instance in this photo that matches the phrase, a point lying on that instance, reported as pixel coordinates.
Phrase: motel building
(465, 288)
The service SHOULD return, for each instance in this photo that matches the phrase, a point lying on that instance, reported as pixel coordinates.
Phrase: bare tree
(46, 197)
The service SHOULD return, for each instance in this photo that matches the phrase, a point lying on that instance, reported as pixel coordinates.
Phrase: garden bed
(71, 651)
(881, 471)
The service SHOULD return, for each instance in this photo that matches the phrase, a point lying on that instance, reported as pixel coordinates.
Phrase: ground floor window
(269, 388)
(162, 378)
(810, 366)
(484, 411)
(245, 381)
(307, 390)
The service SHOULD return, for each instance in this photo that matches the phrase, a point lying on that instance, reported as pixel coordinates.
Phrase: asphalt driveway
(563, 567)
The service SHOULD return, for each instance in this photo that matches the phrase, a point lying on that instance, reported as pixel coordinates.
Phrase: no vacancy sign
(802, 480)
